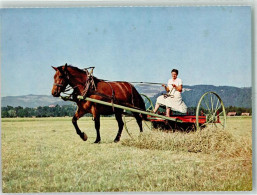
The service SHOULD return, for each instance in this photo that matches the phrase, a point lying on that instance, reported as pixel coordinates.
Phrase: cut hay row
(207, 141)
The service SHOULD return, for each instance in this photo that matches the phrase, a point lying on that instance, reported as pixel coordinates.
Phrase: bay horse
(84, 83)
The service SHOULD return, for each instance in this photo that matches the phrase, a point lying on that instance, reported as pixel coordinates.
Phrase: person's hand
(173, 85)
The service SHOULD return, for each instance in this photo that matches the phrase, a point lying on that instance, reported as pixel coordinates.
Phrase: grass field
(46, 155)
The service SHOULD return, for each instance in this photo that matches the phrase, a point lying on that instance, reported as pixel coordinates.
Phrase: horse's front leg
(79, 113)
(96, 116)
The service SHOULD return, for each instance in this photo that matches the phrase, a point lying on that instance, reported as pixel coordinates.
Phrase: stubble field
(46, 155)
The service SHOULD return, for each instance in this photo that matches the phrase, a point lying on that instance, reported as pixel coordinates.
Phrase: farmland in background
(46, 155)
(69, 110)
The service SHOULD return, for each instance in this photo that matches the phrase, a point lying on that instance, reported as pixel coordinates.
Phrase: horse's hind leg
(118, 116)
(97, 128)
(139, 120)
(79, 113)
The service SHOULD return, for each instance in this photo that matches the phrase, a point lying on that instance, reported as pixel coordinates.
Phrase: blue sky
(208, 45)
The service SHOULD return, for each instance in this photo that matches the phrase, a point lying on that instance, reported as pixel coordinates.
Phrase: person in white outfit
(172, 100)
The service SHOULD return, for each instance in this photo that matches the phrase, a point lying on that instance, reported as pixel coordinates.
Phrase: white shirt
(177, 82)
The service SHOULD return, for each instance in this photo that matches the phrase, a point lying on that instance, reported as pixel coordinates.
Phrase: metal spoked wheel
(148, 107)
(210, 111)
(129, 120)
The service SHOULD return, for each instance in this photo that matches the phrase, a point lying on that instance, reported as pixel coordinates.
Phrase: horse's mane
(96, 80)
(73, 67)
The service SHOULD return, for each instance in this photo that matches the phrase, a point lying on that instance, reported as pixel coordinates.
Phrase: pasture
(46, 155)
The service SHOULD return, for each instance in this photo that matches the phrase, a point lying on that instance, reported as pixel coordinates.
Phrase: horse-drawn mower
(101, 97)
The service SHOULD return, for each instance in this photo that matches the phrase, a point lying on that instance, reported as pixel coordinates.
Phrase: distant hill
(231, 96)
(32, 101)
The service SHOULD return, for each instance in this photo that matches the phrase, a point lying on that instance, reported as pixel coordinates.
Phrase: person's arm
(166, 87)
(178, 88)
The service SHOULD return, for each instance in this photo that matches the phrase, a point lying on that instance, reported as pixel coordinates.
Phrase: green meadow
(46, 155)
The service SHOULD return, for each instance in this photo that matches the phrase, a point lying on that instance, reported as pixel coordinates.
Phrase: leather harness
(91, 89)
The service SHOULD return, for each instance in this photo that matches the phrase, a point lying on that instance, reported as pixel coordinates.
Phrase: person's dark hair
(175, 70)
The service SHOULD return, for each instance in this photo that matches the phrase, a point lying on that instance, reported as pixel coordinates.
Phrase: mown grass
(46, 155)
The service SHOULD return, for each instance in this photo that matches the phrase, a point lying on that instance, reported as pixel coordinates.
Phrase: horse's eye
(60, 77)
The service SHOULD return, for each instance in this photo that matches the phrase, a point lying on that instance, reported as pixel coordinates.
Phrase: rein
(148, 83)
(139, 82)
(58, 85)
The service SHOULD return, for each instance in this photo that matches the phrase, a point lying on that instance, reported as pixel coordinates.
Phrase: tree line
(69, 110)
(41, 111)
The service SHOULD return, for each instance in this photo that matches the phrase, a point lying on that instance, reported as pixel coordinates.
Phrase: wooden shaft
(127, 108)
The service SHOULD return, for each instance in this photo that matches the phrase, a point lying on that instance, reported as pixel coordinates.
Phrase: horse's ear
(65, 67)
(54, 68)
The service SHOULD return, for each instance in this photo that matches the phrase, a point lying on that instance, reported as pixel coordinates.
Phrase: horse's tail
(144, 116)
(139, 102)
(142, 106)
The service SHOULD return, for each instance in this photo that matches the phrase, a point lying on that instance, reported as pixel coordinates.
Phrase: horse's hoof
(97, 141)
(116, 140)
(84, 137)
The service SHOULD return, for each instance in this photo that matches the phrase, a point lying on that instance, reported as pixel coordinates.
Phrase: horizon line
(135, 85)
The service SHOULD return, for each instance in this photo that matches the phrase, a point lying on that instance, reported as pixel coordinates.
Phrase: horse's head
(60, 80)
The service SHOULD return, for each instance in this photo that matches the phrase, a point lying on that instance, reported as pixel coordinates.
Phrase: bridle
(65, 75)
(67, 88)
(58, 84)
